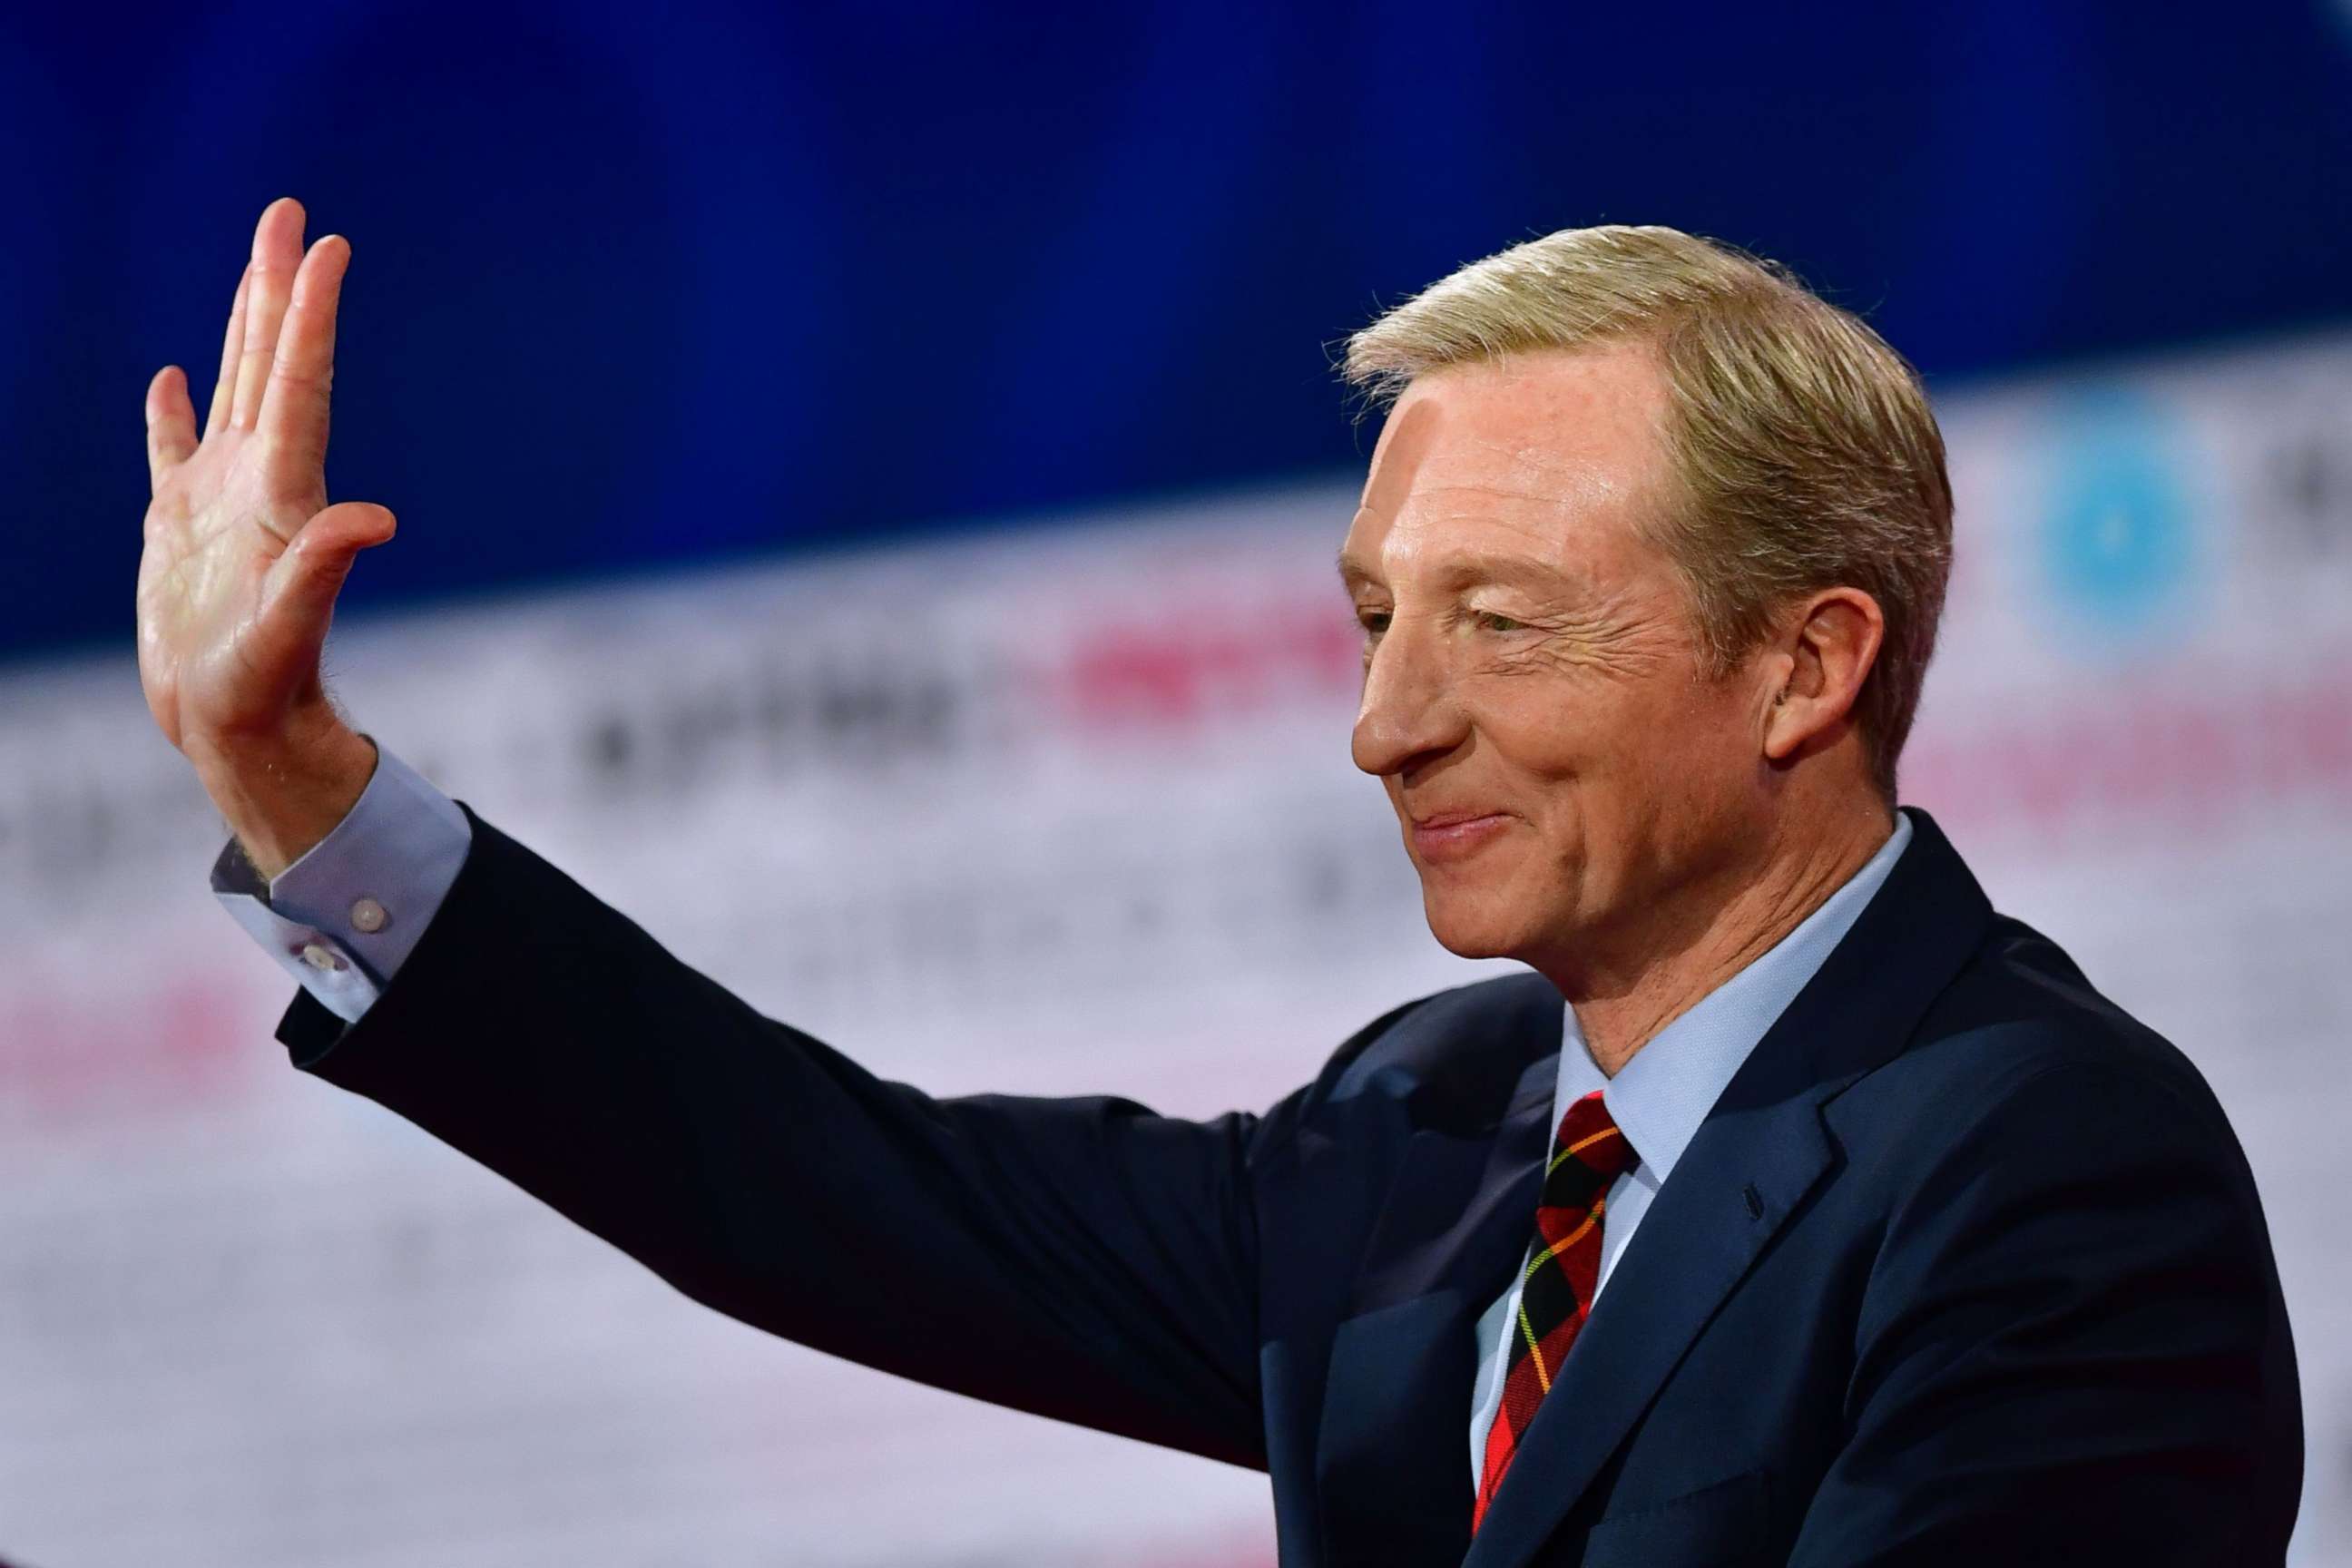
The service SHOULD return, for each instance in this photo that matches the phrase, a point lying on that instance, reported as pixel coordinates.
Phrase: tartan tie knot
(1590, 1138)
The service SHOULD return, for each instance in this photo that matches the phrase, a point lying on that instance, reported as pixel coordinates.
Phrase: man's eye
(1374, 621)
(1498, 622)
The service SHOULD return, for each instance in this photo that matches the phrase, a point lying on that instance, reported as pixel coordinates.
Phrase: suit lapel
(1761, 1150)
(1393, 1456)
(1661, 1294)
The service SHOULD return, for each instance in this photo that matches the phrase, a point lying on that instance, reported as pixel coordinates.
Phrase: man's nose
(1408, 709)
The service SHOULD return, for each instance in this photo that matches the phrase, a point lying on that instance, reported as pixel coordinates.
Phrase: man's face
(1532, 659)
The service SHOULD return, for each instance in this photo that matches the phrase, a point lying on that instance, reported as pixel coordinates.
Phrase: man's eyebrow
(1463, 571)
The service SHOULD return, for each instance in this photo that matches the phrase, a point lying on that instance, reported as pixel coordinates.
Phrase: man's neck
(1621, 1006)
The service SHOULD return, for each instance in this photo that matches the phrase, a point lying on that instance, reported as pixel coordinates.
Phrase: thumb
(306, 578)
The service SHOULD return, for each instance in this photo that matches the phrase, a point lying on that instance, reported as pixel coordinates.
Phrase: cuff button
(369, 916)
(319, 955)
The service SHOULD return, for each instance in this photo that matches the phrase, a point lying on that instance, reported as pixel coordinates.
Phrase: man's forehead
(1508, 468)
(1467, 558)
(1532, 412)
(1507, 440)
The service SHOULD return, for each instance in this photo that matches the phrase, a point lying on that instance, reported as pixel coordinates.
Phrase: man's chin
(1469, 936)
(1477, 949)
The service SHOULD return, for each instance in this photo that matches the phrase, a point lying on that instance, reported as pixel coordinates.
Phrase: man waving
(1792, 1206)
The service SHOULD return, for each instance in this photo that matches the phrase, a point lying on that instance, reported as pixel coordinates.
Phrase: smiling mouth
(1452, 818)
(1449, 835)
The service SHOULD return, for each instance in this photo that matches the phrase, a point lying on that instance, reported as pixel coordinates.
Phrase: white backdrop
(1062, 809)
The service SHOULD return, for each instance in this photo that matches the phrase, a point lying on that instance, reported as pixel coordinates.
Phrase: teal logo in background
(2118, 537)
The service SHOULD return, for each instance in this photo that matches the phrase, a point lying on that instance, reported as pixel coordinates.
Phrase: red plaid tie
(1588, 1154)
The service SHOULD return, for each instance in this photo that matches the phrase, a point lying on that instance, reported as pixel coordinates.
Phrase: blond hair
(1804, 445)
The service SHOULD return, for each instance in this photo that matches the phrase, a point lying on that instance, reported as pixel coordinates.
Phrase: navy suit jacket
(1964, 1266)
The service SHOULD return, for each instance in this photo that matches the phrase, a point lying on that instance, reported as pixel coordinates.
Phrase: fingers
(306, 578)
(232, 350)
(293, 415)
(277, 248)
(171, 424)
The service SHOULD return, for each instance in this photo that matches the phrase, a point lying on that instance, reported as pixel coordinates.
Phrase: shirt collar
(1660, 1097)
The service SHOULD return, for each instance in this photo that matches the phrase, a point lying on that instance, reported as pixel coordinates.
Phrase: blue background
(638, 284)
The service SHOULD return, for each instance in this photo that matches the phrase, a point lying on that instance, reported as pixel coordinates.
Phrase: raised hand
(244, 556)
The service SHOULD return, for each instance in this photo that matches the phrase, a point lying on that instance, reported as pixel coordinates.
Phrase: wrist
(282, 794)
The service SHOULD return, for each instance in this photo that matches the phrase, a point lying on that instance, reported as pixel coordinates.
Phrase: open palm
(243, 556)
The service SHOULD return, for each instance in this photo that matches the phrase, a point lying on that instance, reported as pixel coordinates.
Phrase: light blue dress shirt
(340, 920)
(1660, 1097)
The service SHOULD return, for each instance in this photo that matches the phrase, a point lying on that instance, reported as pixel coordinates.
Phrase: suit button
(368, 915)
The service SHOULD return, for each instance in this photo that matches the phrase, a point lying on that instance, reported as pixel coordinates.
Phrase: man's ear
(1828, 648)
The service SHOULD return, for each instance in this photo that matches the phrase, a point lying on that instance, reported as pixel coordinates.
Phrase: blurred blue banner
(634, 284)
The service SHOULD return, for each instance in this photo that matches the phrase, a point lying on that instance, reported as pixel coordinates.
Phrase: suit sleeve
(1082, 1259)
(2069, 1348)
